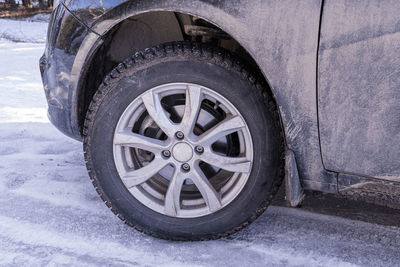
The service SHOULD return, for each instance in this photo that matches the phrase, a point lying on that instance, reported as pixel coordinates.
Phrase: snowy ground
(51, 215)
(32, 30)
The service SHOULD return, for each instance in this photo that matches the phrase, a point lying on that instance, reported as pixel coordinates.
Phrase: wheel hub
(182, 152)
(191, 170)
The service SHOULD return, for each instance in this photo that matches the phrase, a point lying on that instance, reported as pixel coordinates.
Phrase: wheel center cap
(182, 152)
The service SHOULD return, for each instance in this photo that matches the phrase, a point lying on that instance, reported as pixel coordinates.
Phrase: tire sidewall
(134, 81)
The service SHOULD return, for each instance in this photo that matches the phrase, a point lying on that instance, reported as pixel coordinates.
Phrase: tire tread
(192, 51)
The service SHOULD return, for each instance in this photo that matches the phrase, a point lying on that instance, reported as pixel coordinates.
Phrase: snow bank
(22, 97)
(29, 30)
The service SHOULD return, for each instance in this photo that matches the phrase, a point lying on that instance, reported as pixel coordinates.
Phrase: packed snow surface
(51, 215)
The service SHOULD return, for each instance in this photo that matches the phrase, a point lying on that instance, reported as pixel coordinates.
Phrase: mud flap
(294, 190)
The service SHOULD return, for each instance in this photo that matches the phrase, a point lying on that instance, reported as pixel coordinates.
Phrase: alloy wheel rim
(183, 150)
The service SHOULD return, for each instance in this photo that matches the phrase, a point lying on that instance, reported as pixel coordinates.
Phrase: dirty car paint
(359, 88)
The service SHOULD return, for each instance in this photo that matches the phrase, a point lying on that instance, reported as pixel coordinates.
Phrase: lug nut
(199, 149)
(185, 167)
(166, 153)
(179, 135)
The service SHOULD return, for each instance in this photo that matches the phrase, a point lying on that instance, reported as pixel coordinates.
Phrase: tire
(230, 91)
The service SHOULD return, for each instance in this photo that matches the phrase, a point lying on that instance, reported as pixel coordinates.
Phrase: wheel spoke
(229, 125)
(210, 195)
(130, 139)
(172, 203)
(139, 176)
(153, 105)
(198, 124)
(192, 108)
(232, 164)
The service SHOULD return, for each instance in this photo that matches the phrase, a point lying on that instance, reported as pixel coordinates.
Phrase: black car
(192, 113)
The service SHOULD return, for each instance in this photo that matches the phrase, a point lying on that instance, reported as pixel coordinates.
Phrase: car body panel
(63, 43)
(282, 41)
(359, 88)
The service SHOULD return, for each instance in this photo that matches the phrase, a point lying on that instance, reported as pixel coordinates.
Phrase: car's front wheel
(182, 145)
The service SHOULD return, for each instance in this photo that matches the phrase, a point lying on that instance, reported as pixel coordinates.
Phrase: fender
(281, 40)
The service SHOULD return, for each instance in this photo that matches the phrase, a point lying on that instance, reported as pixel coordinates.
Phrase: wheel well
(147, 30)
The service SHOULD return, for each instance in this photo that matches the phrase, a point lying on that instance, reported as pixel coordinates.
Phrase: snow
(51, 215)
(31, 30)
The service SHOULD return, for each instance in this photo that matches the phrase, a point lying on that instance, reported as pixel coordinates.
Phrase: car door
(359, 87)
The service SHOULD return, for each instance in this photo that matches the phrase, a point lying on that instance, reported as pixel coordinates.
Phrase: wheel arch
(98, 39)
(283, 45)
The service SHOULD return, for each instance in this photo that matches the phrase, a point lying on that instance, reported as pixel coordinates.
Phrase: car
(193, 113)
